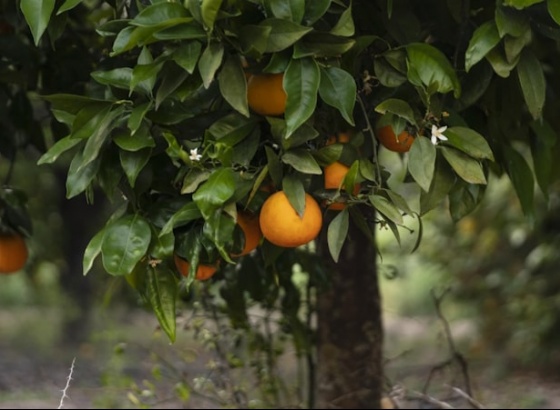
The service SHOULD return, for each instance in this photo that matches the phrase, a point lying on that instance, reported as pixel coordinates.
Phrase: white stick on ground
(64, 395)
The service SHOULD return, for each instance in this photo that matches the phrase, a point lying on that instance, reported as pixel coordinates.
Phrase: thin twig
(414, 395)
(472, 402)
(455, 355)
(65, 390)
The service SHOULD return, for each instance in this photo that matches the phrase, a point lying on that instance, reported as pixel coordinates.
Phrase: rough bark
(350, 333)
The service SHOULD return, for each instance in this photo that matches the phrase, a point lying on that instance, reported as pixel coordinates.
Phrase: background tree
(176, 125)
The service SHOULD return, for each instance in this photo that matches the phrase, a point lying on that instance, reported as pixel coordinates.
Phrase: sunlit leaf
(125, 242)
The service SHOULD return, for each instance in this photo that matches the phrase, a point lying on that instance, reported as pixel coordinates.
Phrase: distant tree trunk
(350, 333)
(80, 222)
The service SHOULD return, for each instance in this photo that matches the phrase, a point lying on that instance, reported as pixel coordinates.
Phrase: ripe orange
(281, 224)
(249, 223)
(341, 137)
(203, 272)
(334, 175)
(13, 253)
(387, 138)
(266, 95)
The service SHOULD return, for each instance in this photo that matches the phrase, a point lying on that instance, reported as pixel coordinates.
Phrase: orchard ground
(127, 363)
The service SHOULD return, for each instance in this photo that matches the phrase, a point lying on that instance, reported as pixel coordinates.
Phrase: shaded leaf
(162, 290)
(302, 161)
(337, 232)
(429, 67)
(37, 14)
(301, 82)
(93, 249)
(484, 39)
(469, 169)
(421, 162)
(338, 89)
(470, 142)
(532, 81)
(295, 192)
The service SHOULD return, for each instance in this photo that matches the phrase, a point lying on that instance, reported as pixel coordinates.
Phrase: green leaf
(71, 103)
(254, 39)
(512, 22)
(301, 160)
(118, 77)
(37, 14)
(232, 128)
(57, 150)
(295, 192)
(554, 10)
(215, 192)
(136, 116)
(219, 228)
(93, 249)
(173, 77)
(474, 85)
(80, 177)
(467, 168)
(142, 139)
(441, 185)
(185, 30)
(429, 67)
(501, 65)
(125, 243)
(461, 201)
(398, 107)
(314, 10)
(283, 34)
(99, 134)
(521, 4)
(386, 208)
(187, 213)
(345, 24)
(210, 61)
(542, 152)
(387, 74)
(484, 39)
(301, 82)
(399, 201)
(338, 89)
(209, 10)
(470, 142)
(337, 232)
(274, 165)
(186, 56)
(193, 179)
(162, 290)
(68, 5)
(233, 85)
(134, 162)
(421, 162)
(291, 10)
(161, 13)
(321, 45)
(145, 71)
(533, 83)
(513, 46)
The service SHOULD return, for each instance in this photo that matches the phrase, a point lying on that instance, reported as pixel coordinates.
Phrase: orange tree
(196, 108)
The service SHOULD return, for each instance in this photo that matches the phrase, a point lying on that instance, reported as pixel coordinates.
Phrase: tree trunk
(350, 333)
